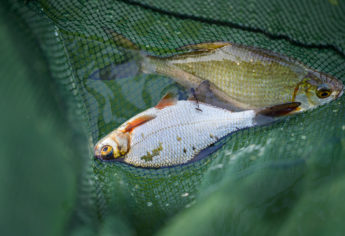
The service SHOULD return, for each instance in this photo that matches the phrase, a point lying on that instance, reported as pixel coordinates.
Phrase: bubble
(149, 204)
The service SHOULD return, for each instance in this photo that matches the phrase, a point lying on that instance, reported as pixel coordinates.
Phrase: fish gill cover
(282, 179)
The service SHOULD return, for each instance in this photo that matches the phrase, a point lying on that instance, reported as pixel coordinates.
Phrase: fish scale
(174, 132)
(182, 131)
(240, 77)
(246, 77)
(241, 81)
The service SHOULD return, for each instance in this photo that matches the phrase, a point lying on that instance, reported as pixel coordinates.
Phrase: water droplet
(185, 195)
(167, 204)
(303, 137)
(56, 33)
(218, 166)
(149, 204)
(190, 204)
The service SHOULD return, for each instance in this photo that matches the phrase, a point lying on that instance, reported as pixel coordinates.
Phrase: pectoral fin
(131, 125)
(168, 99)
(280, 110)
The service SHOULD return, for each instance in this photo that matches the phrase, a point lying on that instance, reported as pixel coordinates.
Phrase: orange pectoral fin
(168, 100)
(137, 122)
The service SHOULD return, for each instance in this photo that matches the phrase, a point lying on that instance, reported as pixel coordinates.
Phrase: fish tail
(121, 40)
(139, 62)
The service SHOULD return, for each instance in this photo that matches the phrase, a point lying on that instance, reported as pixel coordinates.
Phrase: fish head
(317, 89)
(113, 146)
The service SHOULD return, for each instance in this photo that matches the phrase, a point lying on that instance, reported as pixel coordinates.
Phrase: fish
(241, 77)
(175, 131)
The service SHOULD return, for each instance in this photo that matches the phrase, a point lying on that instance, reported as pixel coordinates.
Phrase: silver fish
(174, 132)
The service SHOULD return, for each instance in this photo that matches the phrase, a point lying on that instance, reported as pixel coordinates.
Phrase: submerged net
(286, 178)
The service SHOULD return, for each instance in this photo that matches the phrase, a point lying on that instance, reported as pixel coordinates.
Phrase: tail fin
(121, 40)
(128, 68)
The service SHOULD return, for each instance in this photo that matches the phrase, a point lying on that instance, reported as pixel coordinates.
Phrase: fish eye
(107, 152)
(323, 92)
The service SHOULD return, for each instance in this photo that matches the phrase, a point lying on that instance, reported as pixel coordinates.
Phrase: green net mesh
(286, 178)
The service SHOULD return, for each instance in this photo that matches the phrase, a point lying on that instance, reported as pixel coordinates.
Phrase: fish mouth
(97, 153)
(337, 85)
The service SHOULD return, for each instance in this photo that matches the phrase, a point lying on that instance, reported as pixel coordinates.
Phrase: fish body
(177, 133)
(247, 77)
(171, 133)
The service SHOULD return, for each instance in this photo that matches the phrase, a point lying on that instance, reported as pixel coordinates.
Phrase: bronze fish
(244, 77)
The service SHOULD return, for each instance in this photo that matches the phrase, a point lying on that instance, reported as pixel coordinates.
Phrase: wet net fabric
(274, 180)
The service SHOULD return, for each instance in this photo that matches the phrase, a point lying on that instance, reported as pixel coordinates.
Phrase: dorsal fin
(137, 122)
(168, 99)
(204, 47)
